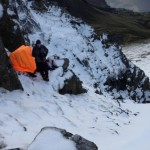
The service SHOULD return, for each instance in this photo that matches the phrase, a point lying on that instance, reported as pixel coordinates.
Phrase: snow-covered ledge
(51, 138)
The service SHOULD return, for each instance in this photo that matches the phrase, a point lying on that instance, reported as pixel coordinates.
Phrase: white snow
(109, 124)
(24, 113)
(51, 140)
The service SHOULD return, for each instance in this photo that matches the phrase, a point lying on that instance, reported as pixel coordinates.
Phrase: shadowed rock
(15, 25)
(72, 86)
(8, 77)
(10, 30)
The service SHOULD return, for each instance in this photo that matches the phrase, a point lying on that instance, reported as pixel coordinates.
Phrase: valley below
(139, 54)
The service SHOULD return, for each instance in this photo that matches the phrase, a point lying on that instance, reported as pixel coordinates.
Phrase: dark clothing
(40, 54)
(43, 69)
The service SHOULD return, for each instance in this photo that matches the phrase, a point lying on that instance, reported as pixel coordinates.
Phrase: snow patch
(51, 140)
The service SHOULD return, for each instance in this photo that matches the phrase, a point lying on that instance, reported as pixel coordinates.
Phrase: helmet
(38, 42)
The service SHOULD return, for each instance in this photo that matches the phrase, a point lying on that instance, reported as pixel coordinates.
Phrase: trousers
(43, 68)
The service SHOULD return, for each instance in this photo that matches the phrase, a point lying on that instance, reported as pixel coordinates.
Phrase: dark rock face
(123, 80)
(10, 31)
(13, 28)
(39, 5)
(72, 86)
(28, 24)
(8, 77)
(80, 142)
(133, 80)
(83, 144)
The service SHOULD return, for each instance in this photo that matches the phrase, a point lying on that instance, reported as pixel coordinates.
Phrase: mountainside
(94, 94)
(107, 68)
(122, 25)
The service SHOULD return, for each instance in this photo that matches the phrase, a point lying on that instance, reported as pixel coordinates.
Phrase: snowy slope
(23, 114)
(76, 43)
(112, 125)
(97, 118)
(71, 38)
(105, 67)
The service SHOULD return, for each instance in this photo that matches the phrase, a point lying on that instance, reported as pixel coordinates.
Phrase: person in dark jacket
(40, 52)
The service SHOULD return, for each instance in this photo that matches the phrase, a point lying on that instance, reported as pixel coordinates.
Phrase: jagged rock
(122, 77)
(83, 144)
(66, 64)
(10, 30)
(76, 141)
(39, 5)
(16, 23)
(8, 77)
(132, 79)
(72, 86)
(27, 23)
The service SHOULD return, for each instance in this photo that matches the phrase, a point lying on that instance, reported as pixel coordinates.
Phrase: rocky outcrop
(8, 77)
(39, 5)
(116, 75)
(83, 144)
(16, 23)
(76, 141)
(10, 30)
(131, 80)
(27, 22)
(73, 85)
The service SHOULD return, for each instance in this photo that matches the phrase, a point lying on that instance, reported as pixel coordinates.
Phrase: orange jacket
(22, 59)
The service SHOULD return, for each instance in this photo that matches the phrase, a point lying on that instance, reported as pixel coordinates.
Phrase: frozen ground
(95, 117)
